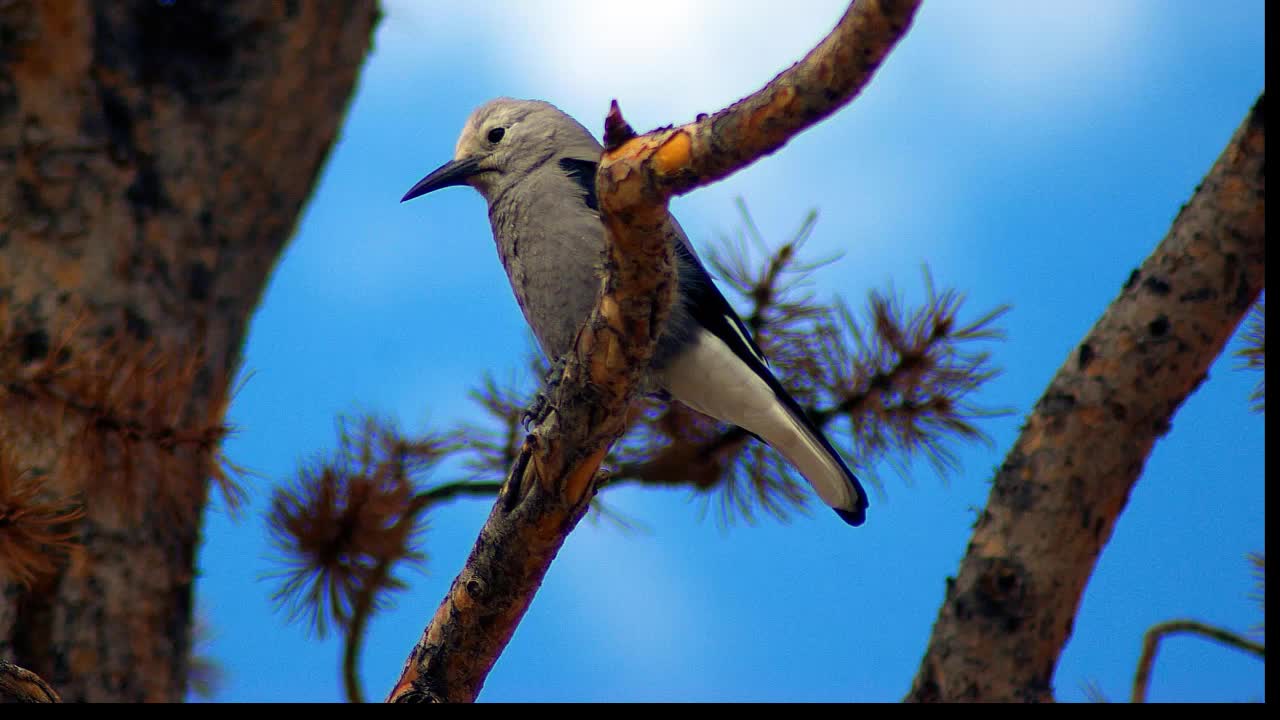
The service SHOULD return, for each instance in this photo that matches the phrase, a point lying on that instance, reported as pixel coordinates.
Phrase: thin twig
(1158, 632)
(353, 640)
(461, 488)
(365, 601)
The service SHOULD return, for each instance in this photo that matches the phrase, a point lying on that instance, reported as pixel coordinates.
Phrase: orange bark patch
(673, 155)
(609, 310)
(577, 482)
(637, 148)
(605, 354)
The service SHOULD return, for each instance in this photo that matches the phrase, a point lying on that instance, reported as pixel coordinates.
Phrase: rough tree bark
(555, 476)
(153, 160)
(1056, 498)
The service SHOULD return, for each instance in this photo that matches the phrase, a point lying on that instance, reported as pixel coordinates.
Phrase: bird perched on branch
(536, 168)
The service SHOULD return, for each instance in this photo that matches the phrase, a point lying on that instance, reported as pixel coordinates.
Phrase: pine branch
(1254, 353)
(1151, 645)
(349, 513)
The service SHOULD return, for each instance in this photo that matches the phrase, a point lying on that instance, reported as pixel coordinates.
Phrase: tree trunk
(1056, 498)
(153, 160)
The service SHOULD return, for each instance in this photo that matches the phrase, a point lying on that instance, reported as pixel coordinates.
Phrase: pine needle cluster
(1253, 355)
(128, 403)
(37, 527)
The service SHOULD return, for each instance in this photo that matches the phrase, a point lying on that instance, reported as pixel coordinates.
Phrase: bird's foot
(541, 406)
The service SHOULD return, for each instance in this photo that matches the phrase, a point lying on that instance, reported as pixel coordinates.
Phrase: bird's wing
(807, 446)
(713, 313)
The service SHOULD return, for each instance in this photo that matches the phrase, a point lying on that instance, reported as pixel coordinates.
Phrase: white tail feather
(711, 379)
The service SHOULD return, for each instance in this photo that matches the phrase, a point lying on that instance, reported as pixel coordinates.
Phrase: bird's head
(505, 140)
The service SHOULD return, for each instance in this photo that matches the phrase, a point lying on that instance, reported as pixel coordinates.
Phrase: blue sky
(1030, 153)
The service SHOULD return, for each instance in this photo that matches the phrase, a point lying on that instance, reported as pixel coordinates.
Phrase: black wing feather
(584, 173)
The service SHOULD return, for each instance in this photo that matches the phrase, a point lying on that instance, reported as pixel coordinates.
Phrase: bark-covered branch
(677, 160)
(19, 685)
(1056, 498)
(553, 479)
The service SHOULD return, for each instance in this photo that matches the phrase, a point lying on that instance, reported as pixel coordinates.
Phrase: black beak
(454, 172)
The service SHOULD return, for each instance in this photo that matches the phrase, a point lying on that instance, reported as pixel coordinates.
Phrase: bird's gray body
(549, 252)
(553, 250)
(538, 177)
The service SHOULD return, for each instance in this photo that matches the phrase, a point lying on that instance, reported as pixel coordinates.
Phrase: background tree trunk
(1055, 500)
(153, 160)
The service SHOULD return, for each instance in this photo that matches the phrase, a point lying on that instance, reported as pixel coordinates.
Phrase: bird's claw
(536, 412)
(541, 406)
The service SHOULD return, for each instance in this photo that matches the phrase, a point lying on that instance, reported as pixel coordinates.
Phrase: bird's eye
(496, 134)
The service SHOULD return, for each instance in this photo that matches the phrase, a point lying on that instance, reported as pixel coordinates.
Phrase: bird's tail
(792, 434)
(712, 379)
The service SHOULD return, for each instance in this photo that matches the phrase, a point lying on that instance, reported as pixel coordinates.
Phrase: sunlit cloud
(664, 60)
(671, 59)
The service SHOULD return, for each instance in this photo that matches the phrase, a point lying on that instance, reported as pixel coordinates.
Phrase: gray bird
(536, 167)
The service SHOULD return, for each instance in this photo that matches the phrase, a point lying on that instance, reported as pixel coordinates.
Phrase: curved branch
(553, 479)
(19, 685)
(1056, 498)
(1158, 632)
(829, 77)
